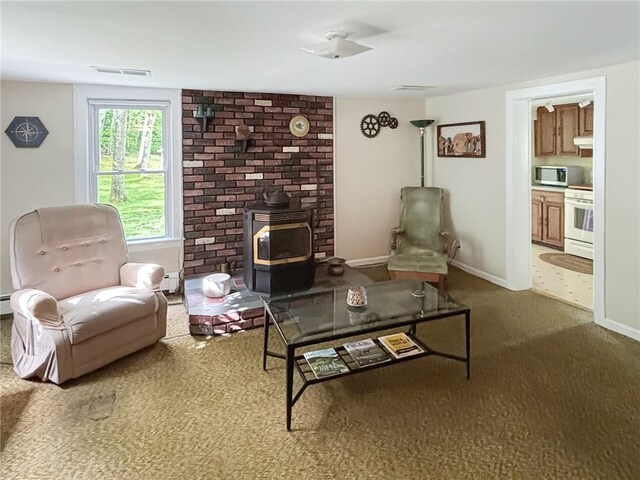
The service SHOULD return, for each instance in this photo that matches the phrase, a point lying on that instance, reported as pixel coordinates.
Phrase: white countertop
(547, 188)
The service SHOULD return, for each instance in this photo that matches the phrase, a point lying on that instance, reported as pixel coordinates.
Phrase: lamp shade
(421, 123)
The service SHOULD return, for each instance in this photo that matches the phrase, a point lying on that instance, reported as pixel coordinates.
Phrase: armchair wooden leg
(442, 284)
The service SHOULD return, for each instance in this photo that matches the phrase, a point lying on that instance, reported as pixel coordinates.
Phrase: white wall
(34, 177)
(31, 178)
(476, 187)
(370, 173)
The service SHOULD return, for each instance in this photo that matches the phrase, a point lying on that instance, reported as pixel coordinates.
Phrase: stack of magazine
(366, 352)
(400, 345)
(327, 362)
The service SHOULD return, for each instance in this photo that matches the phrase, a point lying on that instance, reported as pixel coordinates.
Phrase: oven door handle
(578, 202)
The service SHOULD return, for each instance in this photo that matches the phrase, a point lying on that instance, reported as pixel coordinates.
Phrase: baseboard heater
(171, 282)
(5, 306)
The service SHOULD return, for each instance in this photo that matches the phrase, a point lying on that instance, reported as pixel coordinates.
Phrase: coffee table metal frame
(299, 362)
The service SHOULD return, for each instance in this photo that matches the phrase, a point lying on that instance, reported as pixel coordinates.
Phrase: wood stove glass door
(282, 244)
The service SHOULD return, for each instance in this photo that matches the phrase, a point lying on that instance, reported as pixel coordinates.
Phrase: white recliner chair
(79, 304)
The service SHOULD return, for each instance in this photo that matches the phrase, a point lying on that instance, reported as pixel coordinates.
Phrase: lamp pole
(422, 125)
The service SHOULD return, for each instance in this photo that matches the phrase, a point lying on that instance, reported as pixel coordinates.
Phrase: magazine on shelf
(325, 363)
(400, 345)
(367, 352)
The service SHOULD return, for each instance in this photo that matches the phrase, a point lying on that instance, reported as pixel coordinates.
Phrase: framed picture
(462, 140)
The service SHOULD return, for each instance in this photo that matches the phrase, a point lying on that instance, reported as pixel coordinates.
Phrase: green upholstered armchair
(418, 246)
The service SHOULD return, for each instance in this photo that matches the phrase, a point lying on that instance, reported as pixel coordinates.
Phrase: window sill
(153, 244)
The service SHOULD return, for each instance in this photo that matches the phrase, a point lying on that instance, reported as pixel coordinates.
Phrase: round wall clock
(299, 126)
(26, 132)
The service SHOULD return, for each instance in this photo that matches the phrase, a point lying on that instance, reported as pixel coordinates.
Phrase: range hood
(583, 142)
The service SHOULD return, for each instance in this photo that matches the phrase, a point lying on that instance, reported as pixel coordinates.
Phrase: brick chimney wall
(219, 180)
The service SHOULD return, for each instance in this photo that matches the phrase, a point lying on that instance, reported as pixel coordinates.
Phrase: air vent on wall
(413, 88)
(123, 71)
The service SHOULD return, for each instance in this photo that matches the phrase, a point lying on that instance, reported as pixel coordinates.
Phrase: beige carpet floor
(551, 396)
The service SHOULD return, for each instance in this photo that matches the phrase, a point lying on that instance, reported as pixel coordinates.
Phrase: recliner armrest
(38, 306)
(141, 275)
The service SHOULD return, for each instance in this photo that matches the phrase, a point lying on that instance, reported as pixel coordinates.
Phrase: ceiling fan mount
(336, 46)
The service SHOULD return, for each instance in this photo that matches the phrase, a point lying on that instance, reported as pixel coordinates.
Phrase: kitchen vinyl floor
(566, 285)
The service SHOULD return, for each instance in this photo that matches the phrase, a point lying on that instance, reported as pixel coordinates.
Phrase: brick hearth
(219, 180)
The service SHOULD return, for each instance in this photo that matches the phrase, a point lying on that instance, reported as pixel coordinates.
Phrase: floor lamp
(422, 125)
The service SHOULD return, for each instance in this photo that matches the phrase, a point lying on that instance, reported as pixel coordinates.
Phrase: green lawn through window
(143, 213)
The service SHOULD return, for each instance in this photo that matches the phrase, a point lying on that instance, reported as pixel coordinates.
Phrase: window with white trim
(150, 171)
(130, 160)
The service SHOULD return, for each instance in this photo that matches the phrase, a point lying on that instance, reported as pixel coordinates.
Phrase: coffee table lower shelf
(309, 377)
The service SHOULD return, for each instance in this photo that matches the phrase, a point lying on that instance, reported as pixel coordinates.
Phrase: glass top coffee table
(306, 319)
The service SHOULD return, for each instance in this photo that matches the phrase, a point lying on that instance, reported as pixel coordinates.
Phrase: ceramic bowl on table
(216, 285)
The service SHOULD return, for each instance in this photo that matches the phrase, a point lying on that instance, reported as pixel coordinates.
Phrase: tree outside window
(131, 173)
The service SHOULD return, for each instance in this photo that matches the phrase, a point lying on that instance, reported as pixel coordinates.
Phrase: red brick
(221, 183)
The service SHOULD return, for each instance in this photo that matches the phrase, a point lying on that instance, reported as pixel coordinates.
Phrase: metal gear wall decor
(369, 126)
(384, 118)
(26, 132)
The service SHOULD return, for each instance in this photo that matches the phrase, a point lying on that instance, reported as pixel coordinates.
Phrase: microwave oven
(558, 176)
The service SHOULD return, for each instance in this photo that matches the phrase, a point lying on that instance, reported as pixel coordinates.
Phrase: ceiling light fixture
(337, 46)
(550, 108)
(584, 103)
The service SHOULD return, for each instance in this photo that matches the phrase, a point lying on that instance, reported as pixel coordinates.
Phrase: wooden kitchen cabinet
(545, 132)
(554, 131)
(567, 123)
(547, 218)
(585, 127)
(586, 121)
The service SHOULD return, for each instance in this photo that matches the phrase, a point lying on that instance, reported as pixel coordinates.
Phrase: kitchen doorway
(519, 140)
(561, 160)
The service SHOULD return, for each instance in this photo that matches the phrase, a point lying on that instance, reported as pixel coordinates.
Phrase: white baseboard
(479, 273)
(363, 262)
(625, 330)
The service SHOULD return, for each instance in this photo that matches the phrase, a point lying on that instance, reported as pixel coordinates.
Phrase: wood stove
(278, 248)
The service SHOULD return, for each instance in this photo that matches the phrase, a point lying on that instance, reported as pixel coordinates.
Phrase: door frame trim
(518, 181)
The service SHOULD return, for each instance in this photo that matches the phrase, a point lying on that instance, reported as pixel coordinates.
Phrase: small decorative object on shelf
(370, 124)
(299, 126)
(243, 134)
(203, 113)
(26, 132)
(357, 296)
(336, 266)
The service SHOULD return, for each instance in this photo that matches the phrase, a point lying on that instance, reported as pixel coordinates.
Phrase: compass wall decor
(26, 132)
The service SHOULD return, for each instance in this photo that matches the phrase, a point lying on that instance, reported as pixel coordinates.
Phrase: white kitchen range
(578, 222)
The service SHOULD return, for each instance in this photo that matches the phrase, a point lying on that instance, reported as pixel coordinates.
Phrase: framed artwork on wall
(465, 139)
